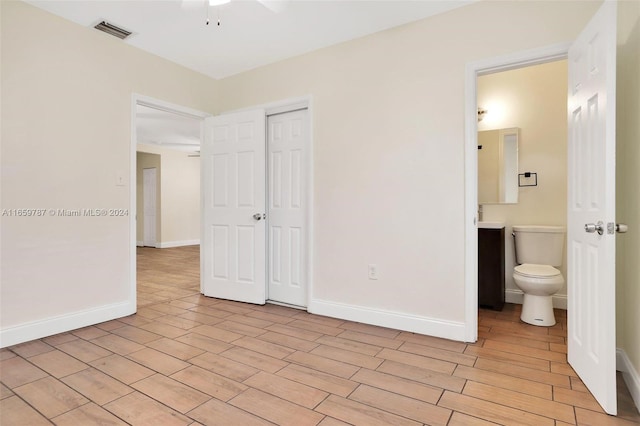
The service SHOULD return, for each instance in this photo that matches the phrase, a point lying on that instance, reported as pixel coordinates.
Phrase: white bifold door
(255, 207)
(591, 207)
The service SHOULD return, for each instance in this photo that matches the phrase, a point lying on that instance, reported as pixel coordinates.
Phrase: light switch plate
(121, 179)
(373, 271)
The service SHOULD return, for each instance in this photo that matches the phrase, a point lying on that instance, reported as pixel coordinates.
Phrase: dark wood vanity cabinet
(491, 268)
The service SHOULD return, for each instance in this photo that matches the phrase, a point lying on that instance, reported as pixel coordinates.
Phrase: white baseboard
(48, 327)
(512, 295)
(169, 244)
(140, 243)
(630, 375)
(397, 320)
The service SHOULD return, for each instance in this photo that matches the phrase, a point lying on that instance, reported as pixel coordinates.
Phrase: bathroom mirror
(498, 166)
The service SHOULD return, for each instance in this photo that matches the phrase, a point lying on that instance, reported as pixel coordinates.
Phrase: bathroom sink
(491, 225)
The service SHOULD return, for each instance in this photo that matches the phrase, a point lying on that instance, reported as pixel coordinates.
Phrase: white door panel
(233, 168)
(149, 207)
(288, 207)
(591, 174)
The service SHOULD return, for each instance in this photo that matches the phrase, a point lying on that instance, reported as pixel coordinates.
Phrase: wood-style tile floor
(185, 359)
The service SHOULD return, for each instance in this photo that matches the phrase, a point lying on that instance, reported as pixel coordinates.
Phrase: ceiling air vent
(113, 30)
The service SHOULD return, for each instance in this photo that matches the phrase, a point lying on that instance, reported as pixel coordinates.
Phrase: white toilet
(538, 250)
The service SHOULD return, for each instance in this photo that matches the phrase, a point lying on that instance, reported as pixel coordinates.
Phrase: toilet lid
(532, 270)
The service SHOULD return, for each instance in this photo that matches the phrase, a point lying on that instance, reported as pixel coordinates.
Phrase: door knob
(257, 216)
(621, 228)
(593, 227)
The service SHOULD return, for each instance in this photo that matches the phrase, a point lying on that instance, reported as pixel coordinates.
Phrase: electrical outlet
(373, 271)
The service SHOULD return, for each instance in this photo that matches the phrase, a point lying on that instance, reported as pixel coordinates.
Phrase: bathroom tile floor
(185, 359)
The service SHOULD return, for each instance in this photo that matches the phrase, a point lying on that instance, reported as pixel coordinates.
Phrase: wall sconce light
(481, 113)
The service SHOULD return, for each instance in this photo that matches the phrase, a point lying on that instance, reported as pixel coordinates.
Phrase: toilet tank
(542, 245)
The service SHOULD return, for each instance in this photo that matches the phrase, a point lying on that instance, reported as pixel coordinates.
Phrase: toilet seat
(538, 283)
(538, 280)
(536, 271)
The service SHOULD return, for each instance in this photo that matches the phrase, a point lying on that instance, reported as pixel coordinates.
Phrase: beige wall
(147, 161)
(388, 117)
(179, 185)
(628, 182)
(535, 100)
(66, 135)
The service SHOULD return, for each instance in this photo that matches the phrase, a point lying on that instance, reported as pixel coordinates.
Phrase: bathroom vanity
(491, 265)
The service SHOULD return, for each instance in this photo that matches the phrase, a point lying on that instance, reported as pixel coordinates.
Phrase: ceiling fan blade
(193, 4)
(275, 6)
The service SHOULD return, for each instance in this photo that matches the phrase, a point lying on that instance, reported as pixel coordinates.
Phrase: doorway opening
(165, 162)
(475, 71)
(591, 143)
(522, 166)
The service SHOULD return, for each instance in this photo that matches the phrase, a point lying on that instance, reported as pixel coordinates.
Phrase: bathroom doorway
(591, 148)
(531, 101)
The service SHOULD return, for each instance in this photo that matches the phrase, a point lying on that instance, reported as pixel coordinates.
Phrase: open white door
(233, 193)
(591, 174)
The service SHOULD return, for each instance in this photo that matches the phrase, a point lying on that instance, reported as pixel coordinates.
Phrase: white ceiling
(252, 32)
(166, 129)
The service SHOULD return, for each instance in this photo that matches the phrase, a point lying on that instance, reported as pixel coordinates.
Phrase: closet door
(288, 207)
(233, 191)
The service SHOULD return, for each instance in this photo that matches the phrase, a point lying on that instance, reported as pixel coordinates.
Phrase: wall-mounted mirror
(498, 166)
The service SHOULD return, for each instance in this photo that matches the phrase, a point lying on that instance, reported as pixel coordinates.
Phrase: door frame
(281, 107)
(472, 72)
(137, 99)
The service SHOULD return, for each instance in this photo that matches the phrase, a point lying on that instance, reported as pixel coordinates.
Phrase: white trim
(133, 204)
(396, 320)
(169, 244)
(202, 230)
(310, 200)
(512, 295)
(523, 59)
(137, 99)
(140, 243)
(472, 71)
(169, 107)
(48, 327)
(471, 206)
(279, 107)
(629, 374)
